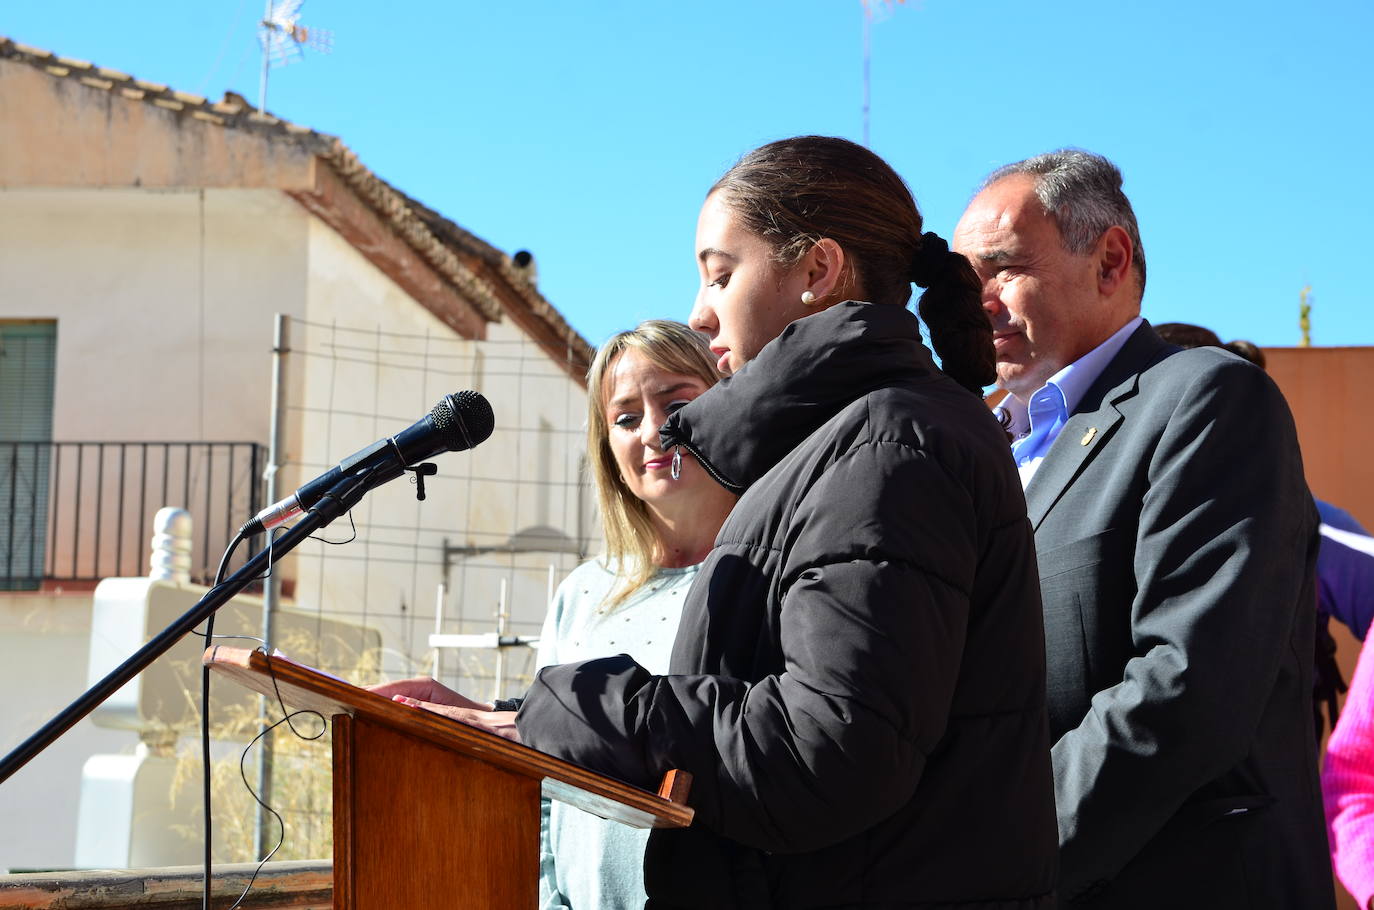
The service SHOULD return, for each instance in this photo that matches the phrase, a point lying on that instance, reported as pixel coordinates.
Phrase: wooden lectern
(429, 812)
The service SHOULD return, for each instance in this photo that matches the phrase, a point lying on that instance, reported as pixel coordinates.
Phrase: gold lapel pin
(1088, 436)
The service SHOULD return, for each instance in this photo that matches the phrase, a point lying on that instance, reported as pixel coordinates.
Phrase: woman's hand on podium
(431, 695)
(422, 688)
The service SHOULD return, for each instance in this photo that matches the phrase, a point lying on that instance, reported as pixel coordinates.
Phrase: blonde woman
(658, 528)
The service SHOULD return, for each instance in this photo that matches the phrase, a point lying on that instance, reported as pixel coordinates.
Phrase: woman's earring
(808, 298)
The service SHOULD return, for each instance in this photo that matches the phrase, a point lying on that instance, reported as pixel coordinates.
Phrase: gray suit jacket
(1176, 539)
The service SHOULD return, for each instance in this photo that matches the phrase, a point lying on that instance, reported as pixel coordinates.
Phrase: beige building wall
(43, 643)
(163, 301)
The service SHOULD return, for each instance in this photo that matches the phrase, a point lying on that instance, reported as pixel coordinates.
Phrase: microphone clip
(421, 471)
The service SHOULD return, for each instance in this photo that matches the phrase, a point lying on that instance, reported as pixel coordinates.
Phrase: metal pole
(14, 492)
(266, 61)
(99, 503)
(868, 44)
(35, 572)
(439, 629)
(500, 680)
(271, 593)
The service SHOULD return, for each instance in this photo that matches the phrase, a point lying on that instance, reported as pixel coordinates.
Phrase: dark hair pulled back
(794, 192)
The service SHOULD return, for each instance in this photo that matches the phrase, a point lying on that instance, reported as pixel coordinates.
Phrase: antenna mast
(868, 47)
(868, 50)
(282, 38)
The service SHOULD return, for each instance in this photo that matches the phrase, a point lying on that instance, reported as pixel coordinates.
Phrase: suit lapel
(1093, 424)
(1084, 435)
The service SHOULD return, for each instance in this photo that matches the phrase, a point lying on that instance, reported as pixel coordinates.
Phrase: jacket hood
(820, 364)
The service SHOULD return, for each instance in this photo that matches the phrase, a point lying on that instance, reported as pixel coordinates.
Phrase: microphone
(457, 423)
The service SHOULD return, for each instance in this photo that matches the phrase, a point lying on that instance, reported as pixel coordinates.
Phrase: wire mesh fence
(497, 520)
(499, 527)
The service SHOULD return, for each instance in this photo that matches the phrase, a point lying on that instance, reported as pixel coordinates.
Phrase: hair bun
(931, 259)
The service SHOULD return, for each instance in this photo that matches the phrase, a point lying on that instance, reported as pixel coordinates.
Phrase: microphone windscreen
(464, 418)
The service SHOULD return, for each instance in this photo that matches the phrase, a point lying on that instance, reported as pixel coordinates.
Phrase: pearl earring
(808, 298)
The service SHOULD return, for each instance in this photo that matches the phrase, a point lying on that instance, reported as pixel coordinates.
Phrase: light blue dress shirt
(1036, 425)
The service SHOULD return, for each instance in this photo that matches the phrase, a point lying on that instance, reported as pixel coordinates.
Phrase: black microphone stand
(343, 496)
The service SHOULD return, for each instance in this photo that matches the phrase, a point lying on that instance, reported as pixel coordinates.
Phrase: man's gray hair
(1082, 193)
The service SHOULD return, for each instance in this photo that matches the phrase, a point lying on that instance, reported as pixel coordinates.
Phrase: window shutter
(28, 359)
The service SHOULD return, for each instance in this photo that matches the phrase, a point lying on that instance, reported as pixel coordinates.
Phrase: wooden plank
(303, 688)
(299, 885)
(345, 844)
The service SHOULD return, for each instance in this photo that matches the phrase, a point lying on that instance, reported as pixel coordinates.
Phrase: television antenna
(283, 39)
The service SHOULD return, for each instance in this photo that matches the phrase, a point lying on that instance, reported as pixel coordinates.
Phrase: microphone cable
(206, 775)
(243, 773)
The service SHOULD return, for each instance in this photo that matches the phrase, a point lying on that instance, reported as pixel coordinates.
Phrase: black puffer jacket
(859, 679)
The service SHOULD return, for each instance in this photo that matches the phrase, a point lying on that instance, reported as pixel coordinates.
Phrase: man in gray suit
(1176, 540)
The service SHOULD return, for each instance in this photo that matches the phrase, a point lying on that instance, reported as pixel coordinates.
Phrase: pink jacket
(1348, 784)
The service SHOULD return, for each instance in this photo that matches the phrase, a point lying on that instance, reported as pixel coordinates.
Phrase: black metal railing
(83, 511)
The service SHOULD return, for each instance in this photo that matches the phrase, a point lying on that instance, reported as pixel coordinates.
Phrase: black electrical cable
(339, 543)
(206, 798)
(267, 573)
(205, 721)
(243, 773)
(281, 823)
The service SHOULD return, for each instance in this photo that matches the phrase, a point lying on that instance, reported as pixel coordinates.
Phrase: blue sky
(589, 132)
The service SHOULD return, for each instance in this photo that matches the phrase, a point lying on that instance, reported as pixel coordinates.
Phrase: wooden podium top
(303, 688)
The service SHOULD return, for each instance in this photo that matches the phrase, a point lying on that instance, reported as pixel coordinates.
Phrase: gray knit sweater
(588, 863)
